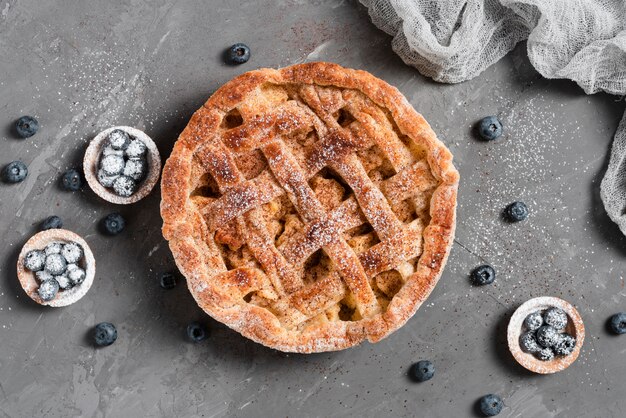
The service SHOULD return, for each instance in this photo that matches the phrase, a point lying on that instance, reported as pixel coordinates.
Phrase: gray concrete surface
(81, 66)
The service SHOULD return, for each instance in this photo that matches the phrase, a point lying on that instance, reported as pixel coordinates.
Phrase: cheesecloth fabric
(581, 40)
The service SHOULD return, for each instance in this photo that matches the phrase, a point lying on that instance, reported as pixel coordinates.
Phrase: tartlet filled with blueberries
(122, 164)
(56, 267)
(545, 334)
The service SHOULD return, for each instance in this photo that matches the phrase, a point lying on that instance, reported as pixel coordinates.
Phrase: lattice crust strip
(310, 208)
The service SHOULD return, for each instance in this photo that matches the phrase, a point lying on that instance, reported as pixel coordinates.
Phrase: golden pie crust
(310, 207)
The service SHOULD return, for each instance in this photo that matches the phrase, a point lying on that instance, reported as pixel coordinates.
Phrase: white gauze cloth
(582, 40)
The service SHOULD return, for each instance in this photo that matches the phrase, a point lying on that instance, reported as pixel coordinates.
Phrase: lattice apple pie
(309, 207)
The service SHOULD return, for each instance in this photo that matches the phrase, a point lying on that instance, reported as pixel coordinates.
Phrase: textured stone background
(82, 66)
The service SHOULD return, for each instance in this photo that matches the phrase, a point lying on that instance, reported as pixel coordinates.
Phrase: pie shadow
(232, 349)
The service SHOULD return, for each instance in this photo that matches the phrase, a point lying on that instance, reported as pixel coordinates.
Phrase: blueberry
(109, 150)
(104, 334)
(618, 323)
(136, 168)
(48, 290)
(119, 139)
(528, 342)
(491, 405)
(72, 180)
(533, 321)
(75, 274)
(53, 248)
(136, 149)
(482, 275)
(565, 345)
(196, 332)
(26, 126)
(547, 336)
(112, 164)
(55, 264)
(124, 186)
(105, 180)
(516, 212)
(556, 318)
(422, 371)
(72, 252)
(35, 260)
(113, 223)
(238, 54)
(489, 128)
(545, 354)
(51, 222)
(14, 172)
(167, 280)
(64, 282)
(43, 275)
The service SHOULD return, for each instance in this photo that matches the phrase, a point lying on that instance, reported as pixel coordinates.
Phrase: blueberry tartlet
(122, 164)
(545, 334)
(56, 267)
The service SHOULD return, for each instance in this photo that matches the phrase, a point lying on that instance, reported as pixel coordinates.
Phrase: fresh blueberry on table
(113, 223)
(14, 172)
(196, 332)
(483, 275)
(26, 126)
(489, 128)
(48, 290)
(618, 323)
(422, 371)
(238, 54)
(72, 180)
(516, 212)
(105, 334)
(555, 317)
(51, 222)
(533, 321)
(167, 280)
(490, 405)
